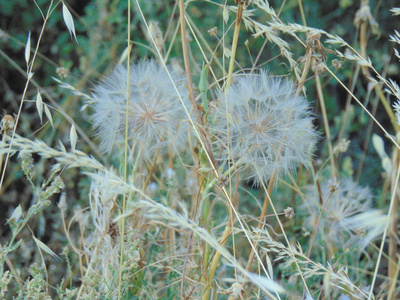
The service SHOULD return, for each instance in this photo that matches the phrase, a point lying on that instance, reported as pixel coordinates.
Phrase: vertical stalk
(216, 258)
(261, 221)
(234, 42)
(326, 124)
(393, 247)
(121, 261)
(306, 68)
(192, 98)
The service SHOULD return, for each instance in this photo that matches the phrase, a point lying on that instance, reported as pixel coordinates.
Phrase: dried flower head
(270, 127)
(289, 212)
(347, 212)
(62, 72)
(7, 124)
(155, 34)
(154, 109)
(213, 31)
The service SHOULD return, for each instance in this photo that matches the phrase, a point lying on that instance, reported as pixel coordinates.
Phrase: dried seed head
(222, 181)
(213, 31)
(270, 127)
(347, 213)
(289, 212)
(155, 34)
(333, 185)
(155, 112)
(318, 65)
(364, 14)
(7, 124)
(342, 146)
(62, 72)
(337, 64)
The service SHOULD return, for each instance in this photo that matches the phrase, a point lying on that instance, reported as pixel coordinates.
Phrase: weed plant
(199, 150)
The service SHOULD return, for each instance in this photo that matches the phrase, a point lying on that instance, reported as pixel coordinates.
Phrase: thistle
(270, 127)
(154, 113)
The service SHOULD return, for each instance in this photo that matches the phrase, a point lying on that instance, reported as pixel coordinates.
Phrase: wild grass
(199, 150)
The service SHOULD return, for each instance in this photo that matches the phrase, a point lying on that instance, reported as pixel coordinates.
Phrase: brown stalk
(190, 81)
(307, 65)
(326, 124)
(261, 221)
(235, 41)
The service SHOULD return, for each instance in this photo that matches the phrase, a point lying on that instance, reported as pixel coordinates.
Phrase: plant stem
(215, 261)
(121, 262)
(190, 81)
(326, 124)
(393, 247)
(261, 220)
(234, 43)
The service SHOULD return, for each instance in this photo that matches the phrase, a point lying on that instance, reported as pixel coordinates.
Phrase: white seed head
(347, 212)
(154, 109)
(270, 127)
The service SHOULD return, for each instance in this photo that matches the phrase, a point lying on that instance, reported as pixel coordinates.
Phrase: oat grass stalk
(326, 124)
(391, 295)
(238, 22)
(128, 63)
(261, 219)
(392, 208)
(303, 17)
(393, 237)
(30, 65)
(307, 65)
(187, 61)
(291, 253)
(215, 261)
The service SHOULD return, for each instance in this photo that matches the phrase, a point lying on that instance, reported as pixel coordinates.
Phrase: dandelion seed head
(154, 108)
(348, 213)
(270, 127)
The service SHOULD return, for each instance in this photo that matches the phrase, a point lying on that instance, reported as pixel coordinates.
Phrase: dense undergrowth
(229, 150)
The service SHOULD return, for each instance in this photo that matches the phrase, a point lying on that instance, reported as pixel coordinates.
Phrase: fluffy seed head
(154, 113)
(270, 128)
(348, 215)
